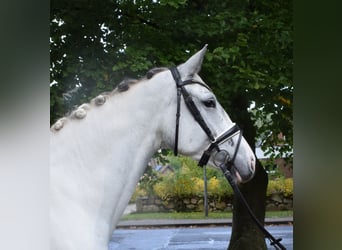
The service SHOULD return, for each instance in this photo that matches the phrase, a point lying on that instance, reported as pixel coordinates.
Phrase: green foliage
(187, 180)
(197, 215)
(148, 180)
(280, 185)
(173, 3)
(177, 186)
(188, 166)
(181, 186)
(138, 192)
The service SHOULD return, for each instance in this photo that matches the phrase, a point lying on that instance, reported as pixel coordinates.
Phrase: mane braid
(154, 71)
(80, 112)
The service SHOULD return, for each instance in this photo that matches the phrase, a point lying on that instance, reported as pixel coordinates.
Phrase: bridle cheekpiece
(221, 156)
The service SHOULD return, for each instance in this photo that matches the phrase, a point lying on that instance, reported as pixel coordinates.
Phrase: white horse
(99, 152)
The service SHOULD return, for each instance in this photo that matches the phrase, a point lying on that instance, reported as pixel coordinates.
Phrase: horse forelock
(80, 112)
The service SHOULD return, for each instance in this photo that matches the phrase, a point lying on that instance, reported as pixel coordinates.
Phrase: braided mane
(81, 111)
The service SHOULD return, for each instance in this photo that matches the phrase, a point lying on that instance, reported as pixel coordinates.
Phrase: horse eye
(210, 103)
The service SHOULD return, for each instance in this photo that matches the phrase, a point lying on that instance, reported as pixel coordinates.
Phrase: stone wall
(278, 201)
(274, 202)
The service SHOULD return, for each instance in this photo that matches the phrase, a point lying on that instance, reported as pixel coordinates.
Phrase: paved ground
(192, 222)
(186, 238)
(205, 234)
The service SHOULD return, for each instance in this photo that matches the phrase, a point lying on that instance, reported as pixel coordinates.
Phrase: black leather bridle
(222, 158)
(222, 155)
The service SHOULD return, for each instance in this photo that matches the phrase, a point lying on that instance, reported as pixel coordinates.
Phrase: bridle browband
(215, 142)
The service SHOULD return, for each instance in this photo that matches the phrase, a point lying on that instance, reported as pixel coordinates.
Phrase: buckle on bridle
(229, 161)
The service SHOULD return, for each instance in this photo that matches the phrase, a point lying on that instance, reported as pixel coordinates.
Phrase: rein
(222, 158)
(274, 242)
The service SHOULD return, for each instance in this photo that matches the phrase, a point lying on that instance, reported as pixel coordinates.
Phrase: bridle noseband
(215, 142)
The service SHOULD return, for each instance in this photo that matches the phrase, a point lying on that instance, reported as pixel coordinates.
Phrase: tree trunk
(245, 233)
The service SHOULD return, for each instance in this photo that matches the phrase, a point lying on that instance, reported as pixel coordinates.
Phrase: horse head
(203, 129)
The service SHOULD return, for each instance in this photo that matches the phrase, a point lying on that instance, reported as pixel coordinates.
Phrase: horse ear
(193, 64)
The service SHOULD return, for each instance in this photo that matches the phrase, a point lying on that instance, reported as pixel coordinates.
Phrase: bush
(213, 185)
(178, 185)
(181, 186)
(148, 180)
(280, 185)
(288, 187)
(187, 181)
(219, 187)
(139, 192)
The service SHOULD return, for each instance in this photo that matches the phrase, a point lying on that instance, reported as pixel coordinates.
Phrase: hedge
(187, 181)
(185, 186)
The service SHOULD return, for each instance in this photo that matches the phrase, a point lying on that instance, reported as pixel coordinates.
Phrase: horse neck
(97, 162)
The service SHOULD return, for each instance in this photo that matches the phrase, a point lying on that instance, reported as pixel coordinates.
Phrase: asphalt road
(200, 238)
